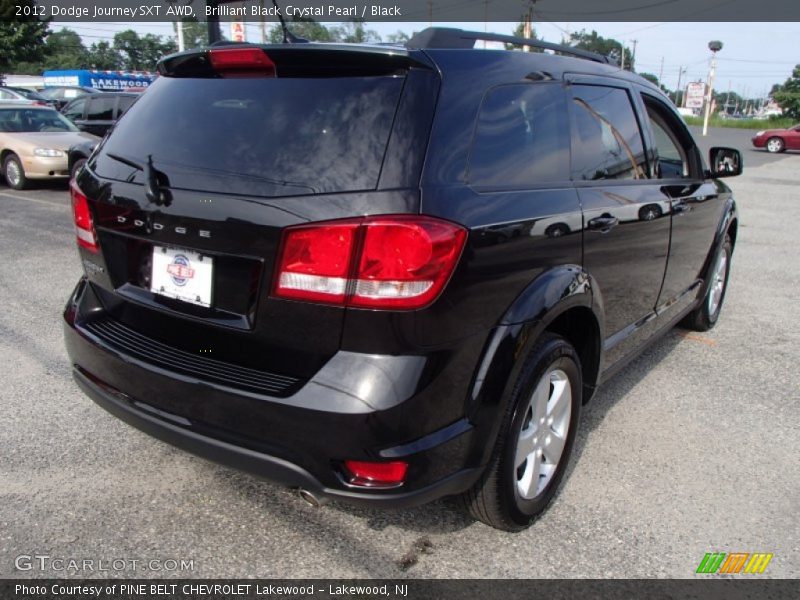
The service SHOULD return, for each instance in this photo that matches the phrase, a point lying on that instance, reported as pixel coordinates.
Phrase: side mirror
(725, 162)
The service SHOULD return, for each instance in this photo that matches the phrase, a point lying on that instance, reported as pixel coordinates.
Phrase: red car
(778, 140)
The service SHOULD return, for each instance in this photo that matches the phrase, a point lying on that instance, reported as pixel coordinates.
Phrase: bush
(771, 123)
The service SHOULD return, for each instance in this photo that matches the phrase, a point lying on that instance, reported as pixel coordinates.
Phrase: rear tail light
(84, 227)
(376, 474)
(395, 262)
(242, 62)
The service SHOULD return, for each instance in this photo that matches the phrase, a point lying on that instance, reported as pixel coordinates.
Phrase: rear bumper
(284, 440)
(257, 463)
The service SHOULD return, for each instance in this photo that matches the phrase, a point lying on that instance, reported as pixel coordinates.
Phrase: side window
(670, 157)
(4, 95)
(101, 109)
(125, 102)
(522, 137)
(74, 110)
(606, 141)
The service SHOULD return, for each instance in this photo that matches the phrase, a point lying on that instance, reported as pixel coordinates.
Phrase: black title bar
(424, 11)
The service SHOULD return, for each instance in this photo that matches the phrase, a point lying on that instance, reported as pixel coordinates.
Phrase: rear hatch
(191, 192)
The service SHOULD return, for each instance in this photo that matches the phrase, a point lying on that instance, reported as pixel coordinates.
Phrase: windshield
(30, 95)
(21, 120)
(259, 136)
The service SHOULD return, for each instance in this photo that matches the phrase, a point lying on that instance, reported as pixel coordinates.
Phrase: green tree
(354, 32)
(788, 96)
(654, 80)
(398, 37)
(64, 49)
(195, 34)
(141, 53)
(605, 46)
(21, 40)
(103, 56)
(307, 29)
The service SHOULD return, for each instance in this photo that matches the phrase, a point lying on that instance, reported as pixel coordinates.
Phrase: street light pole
(212, 21)
(714, 46)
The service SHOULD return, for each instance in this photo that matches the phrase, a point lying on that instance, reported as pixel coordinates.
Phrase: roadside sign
(237, 32)
(695, 94)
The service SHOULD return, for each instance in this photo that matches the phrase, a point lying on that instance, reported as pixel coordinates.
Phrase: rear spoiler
(300, 60)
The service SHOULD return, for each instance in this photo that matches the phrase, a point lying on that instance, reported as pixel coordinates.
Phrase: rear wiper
(152, 189)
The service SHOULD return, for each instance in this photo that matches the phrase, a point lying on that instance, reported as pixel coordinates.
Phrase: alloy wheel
(543, 436)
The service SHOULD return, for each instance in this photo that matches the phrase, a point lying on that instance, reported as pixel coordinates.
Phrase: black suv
(387, 275)
(96, 113)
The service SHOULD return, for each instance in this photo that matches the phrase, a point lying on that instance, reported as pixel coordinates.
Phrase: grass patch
(779, 123)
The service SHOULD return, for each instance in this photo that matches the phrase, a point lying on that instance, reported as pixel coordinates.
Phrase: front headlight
(47, 152)
(760, 133)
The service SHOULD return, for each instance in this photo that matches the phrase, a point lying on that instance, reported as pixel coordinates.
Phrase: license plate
(182, 274)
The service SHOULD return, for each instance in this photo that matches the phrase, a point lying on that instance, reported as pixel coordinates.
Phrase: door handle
(603, 223)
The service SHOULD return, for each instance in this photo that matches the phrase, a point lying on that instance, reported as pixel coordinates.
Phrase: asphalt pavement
(691, 449)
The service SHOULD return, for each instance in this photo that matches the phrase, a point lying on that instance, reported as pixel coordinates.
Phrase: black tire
(495, 498)
(703, 318)
(557, 230)
(77, 167)
(650, 212)
(16, 178)
(775, 145)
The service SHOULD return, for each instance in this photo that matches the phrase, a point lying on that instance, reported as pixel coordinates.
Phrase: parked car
(778, 140)
(61, 95)
(77, 156)
(337, 268)
(17, 95)
(96, 113)
(33, 143)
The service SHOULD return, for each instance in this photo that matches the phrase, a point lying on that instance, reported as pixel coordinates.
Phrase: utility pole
(430, 13)
(527, 27)
(181, 43)
(727, 96)
(678, 90)
(714, 46)
(633, 56)
(178, 30)
(212, 21)
(622, 60)
(661, 71)
(262, 24)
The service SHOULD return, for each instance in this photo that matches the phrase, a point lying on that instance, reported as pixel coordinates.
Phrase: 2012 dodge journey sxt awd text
(390, 274)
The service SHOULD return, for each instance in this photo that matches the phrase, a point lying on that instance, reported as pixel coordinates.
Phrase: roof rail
(447, 37)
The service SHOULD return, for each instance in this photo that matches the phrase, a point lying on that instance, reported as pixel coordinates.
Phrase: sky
(754, 55)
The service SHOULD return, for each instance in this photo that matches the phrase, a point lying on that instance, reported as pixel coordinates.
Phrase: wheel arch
(563, 300)
(5, 153)
(728, 226)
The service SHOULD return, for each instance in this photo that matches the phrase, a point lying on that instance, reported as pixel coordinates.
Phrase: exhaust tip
(310, 498)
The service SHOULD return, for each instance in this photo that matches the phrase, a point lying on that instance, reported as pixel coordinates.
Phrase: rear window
(264, 137)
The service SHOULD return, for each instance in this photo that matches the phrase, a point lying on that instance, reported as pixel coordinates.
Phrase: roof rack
(448, 37)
